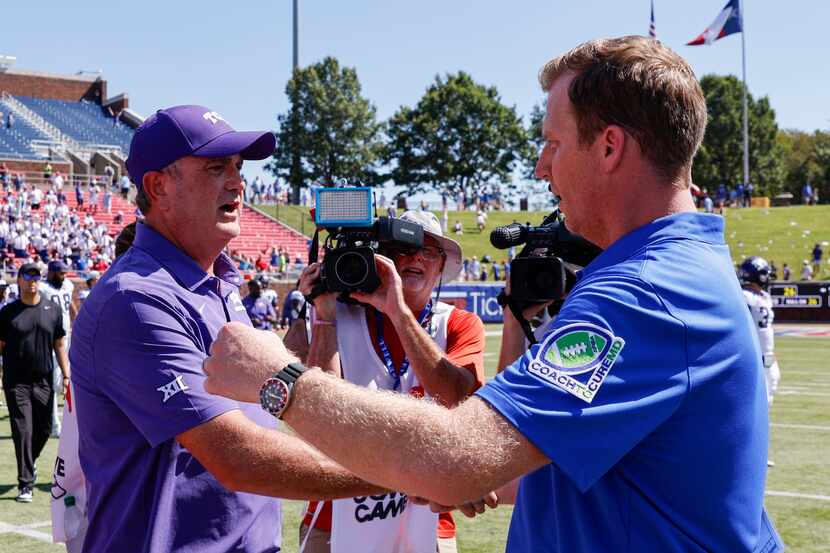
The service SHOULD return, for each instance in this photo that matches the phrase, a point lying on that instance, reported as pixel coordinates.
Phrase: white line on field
(27, 530)
(797, 393)
(798, 495)
(818, 372)
(801, 426)
(493, 333)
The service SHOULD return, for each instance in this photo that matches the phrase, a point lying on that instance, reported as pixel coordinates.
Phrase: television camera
(545, 269)
(354, 236)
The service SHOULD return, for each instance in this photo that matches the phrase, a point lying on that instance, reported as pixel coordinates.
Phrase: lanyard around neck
(394, 373)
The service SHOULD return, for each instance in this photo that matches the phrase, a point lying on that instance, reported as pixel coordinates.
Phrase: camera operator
(400, 340)
(639, 423)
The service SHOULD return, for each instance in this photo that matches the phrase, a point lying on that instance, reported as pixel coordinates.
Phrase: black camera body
(545, 269)
(349, 262)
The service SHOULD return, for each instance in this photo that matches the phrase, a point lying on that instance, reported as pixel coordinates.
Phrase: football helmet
(755, 270)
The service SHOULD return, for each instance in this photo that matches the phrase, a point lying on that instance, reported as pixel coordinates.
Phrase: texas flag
(728, 21)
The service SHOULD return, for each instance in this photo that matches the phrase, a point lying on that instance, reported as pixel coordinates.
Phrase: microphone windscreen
(507, 236)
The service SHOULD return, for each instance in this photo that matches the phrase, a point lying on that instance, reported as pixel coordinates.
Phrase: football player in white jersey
(59, 290)
(754, 275)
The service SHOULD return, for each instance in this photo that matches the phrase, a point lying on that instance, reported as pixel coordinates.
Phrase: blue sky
(236, 57)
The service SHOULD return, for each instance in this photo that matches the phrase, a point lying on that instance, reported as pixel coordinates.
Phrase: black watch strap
(291, 373)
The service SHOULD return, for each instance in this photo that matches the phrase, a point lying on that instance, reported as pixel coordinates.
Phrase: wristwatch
(275, 393)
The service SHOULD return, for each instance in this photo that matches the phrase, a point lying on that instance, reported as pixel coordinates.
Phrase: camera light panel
(344, 207)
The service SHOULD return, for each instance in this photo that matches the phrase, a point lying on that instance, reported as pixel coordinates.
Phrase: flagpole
(746, 111)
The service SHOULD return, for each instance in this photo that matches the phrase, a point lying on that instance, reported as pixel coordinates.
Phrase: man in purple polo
(259, 309)
(165, 462)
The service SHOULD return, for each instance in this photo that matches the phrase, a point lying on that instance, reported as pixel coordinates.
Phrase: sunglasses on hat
(32, 276)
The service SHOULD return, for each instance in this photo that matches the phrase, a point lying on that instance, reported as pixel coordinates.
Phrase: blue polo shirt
(647, 394)
(136, 359)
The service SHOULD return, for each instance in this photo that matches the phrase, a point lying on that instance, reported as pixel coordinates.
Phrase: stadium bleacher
(82, 121)
(16, 141)
(71, 119)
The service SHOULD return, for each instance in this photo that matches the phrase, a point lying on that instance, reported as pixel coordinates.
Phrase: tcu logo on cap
(213, 117)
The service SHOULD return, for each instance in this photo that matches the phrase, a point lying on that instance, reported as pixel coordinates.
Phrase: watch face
(274, 396)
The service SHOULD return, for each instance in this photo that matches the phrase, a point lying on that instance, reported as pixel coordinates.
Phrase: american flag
(652, 28)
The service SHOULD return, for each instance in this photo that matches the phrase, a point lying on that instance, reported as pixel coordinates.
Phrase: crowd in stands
(40, 226)
(259, 192)
(274, 261)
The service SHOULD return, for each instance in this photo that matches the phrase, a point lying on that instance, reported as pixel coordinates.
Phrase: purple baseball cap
(180, 131)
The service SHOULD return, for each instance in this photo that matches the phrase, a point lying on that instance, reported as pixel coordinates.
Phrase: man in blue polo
(165, 462)
(639, 423)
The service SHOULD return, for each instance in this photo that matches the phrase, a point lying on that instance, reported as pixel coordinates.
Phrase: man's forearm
(297, 471)
(417, 447)
(442, 379)
(63, 362)
(323, 349)
(512, 341)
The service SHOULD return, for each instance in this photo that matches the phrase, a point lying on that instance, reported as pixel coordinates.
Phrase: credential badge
(576, 359)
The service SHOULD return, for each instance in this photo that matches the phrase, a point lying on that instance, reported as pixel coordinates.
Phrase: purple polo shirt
(258, 309)
(136, 360)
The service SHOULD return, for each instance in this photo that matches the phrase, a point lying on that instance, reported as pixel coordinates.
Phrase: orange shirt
(465, 347)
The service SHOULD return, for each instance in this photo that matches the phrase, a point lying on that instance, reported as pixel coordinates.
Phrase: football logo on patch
(576, 359)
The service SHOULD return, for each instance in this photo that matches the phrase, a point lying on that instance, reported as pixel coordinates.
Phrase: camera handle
(313, 251)
(513, 305)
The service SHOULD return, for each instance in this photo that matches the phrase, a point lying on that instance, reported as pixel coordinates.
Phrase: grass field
(782, 234)
(800, 447)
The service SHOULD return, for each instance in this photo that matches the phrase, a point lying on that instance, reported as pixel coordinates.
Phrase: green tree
(458, 136)
(806, 159)
(720, 158)
(329, 130)
(537, 140)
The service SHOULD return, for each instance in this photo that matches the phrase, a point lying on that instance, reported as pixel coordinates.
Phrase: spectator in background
(91, 278)
(708, 204)
(109, 174)
(806, 271)
(457, 227)
(806, 193)
(259, 309)
(496, 271)
(21, 246)
(93, 198)
(107, 200)
(124, 184)
(773, 270)
(292, 306)
(79, 195)
(10, 121)
(786, 272)
(47, 171)
(817, 254)
(474, 267)
(481, 220)
(269, 294)
(37, 198)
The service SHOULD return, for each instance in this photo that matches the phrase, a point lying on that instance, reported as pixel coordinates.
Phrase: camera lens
(351, 269)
